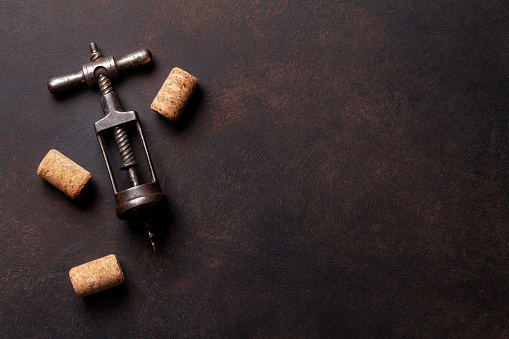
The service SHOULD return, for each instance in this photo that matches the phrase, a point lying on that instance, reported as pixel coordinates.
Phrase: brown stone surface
(64, 174)
(96, 276)
(174, 95)
(341, 171)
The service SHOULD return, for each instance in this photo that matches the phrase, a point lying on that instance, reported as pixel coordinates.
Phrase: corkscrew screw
(141, 199)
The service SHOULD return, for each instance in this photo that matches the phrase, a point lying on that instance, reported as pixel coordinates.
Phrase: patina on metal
(141, 199)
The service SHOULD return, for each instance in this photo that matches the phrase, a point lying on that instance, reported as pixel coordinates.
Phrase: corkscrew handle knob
(86, 76)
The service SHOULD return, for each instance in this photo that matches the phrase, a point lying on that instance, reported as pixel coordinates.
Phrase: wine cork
(175, 93)
(96, 276)
(64, 174)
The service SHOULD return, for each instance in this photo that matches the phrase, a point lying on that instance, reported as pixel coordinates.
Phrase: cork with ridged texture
(96, 276)
(174, 95)
(64, 174)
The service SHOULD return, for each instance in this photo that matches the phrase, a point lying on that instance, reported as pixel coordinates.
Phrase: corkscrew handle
(86, 76)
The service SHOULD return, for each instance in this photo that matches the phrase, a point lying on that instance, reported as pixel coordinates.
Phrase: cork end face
(192, 79)
(43, 165)
(80, 292)
(39, 169)
(175, 94)
(82, 186)
(116, 264)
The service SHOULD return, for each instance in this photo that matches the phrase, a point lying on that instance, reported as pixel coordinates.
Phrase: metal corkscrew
(141, 199)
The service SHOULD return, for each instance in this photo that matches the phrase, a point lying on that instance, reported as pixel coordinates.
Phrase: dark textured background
(342, 172)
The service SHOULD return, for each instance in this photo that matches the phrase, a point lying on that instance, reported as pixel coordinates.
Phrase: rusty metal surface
(341, 172)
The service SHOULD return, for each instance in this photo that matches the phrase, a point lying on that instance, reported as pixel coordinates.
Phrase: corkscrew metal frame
(140, 199)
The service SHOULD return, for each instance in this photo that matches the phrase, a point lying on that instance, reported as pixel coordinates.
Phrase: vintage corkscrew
(141, 199)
